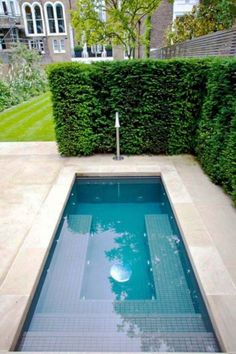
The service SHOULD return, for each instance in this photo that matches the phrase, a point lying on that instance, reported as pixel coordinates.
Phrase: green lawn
(29, 121)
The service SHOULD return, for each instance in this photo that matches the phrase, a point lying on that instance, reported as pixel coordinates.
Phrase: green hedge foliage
(166, 106)
(216, 133)
(5, 96)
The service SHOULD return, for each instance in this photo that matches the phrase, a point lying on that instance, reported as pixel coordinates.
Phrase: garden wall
(169, 107)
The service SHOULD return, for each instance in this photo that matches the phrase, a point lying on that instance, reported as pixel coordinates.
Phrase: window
(29, 20)
(12, 6)
(55, 16)
(33, 19)
(14, 34)
(60, 18)
(58, 45)
(38, 19)
(36, 44)
(4, 6)
(51, 19)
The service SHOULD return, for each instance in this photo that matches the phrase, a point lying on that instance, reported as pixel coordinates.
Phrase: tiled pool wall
(156, 318)
(212, 262)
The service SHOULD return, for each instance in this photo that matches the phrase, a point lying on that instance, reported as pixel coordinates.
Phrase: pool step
(168, 274)
(120, 342)
(80, 224)
(113, 322)
(78, 306)
(66, 271)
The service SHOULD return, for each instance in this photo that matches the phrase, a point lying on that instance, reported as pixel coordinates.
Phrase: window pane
(59, 11)
(38, 17)
(30, 27)
(39, 26)
(61, 26)
(29, 19)
(28, 13)
(60, 18)
(51, 20)
(52, 26)
(50, 11)
(37, 12)
(62, 45)
(12, 8)
(55, 45)
(4, 5)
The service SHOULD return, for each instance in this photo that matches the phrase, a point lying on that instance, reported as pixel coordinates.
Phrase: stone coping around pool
(18, 287)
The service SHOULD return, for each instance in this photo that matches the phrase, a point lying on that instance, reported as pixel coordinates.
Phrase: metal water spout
(117, 126)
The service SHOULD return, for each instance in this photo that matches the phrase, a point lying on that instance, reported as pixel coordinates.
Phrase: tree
(209, 16)
(119, 22)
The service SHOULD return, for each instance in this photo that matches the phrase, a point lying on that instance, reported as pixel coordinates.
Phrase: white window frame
(8, 5)
(55, 17)
(42, 18)
(59, 50)
(2, 12)
(32, 6)
(36, 44)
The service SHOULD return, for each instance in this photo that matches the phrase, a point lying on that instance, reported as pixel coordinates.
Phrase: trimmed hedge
(216, 139)
(170, 106)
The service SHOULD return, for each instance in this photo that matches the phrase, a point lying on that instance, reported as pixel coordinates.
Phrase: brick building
(45, 25)
(41, 24)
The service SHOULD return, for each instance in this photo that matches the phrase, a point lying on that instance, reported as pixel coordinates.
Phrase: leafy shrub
(26, 76)
(5, 96)
(78, 48)
(171, 107)
(108, 47)
(206, 17)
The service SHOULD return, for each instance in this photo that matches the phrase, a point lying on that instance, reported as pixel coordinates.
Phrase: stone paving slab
(34, 184)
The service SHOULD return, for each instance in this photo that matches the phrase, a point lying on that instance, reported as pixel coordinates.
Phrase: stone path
(28, 175)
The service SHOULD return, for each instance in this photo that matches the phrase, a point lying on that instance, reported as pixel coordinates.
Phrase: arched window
(60, 18)
(38, 19)
(29, 19)
(55, 15)
(33, 19)
(51, 19)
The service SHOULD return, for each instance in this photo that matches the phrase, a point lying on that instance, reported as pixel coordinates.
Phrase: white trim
(55, 18)
(32, 6)
(35, 3)
(59, 41)
(46, 17)
(64, 17)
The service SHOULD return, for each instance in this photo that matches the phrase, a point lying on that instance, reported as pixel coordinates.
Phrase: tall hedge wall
(216, 132)
(170, 107)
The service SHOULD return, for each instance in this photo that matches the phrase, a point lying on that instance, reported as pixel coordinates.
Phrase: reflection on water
(121, 272)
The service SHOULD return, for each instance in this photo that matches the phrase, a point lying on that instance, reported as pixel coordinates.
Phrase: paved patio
(31, 176)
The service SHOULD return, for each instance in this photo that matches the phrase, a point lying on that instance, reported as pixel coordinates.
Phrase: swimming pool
(118, 277)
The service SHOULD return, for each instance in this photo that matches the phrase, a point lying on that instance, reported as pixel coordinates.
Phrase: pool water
(118, 277)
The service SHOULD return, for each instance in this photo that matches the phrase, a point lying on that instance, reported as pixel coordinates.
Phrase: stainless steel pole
(117, 144)
(117, 126)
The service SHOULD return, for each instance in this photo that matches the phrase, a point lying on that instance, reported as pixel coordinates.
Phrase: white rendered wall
(183, 6)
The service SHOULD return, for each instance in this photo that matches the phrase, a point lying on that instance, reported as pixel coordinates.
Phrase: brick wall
(161, 20)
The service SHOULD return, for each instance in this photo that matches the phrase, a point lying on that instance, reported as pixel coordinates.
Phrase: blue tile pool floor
(118, 277)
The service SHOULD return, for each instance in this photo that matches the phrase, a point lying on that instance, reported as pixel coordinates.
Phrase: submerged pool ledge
(217, 287)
